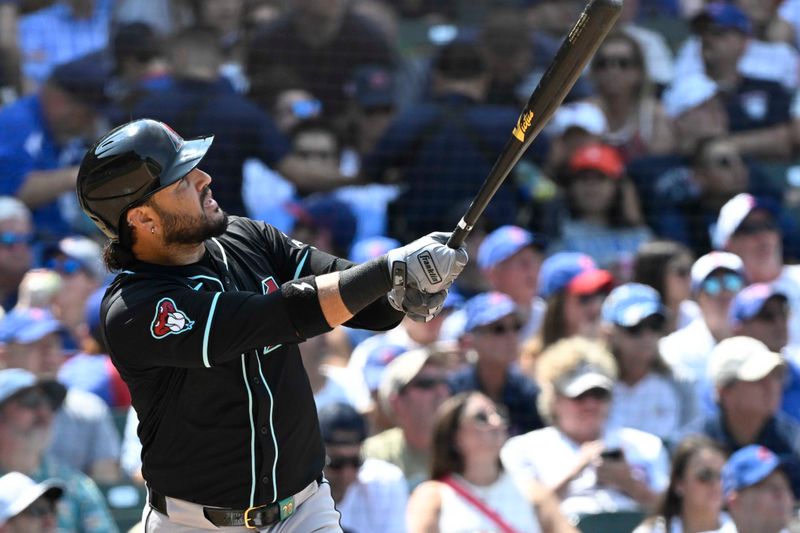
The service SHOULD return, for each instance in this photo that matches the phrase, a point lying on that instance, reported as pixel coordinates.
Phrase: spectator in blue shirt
(16, 252)
(493, 323)
(61, 32)
(42, 140)
(442, 150)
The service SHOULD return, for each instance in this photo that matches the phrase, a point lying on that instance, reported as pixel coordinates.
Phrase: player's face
(188, 212)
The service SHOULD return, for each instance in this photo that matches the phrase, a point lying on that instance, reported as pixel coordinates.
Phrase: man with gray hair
(16, 256)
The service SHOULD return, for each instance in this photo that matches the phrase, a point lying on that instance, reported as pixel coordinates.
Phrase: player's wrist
(364, 283)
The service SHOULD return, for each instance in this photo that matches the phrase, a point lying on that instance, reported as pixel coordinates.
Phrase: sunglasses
(654, 324)
(727, 282)
(8, 238)
(482, 418)
(32, 399)
(64, 266)
(707, 475)
(502, 329)
(773, 315)
(752, 228)
(597, 393)
(426, 383)
(340, 462)
(621, 62)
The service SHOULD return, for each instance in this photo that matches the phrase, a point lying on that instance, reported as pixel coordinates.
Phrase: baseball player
(203, 322)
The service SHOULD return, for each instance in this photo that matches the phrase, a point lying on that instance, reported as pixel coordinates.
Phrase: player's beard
(189, 229)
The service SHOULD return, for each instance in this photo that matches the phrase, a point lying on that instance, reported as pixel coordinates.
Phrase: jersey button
(265, 480)
(255, 380)
(264, 430)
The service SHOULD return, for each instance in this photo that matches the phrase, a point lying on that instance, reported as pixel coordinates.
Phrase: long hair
(446, 458)
(553, 324)
(646, 86)
(119, 254)
(651, 262)
(671, 503)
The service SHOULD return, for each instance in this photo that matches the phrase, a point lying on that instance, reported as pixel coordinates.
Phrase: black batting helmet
(130, 163)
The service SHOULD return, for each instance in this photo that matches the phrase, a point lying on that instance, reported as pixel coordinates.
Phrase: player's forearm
(44, 186)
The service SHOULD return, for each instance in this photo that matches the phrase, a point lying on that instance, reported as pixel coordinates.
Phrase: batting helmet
(130, 163)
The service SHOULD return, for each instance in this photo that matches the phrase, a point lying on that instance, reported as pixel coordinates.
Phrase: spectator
(648, 396)
(693, 499)
(603, 218)
(761, 311)
(441, 150)
(590, 467)
(637, 123)
(91, 368)
(372, 105)
(412, 387)
(757, 492)
(38, 288)
(492, 331)
(505, 41)
(330, 384)
(768, 25)
(716, 278)
(758, 106)
(696, 107)
(370, 494)
(26, 424)
(574, 289)
(325, 223)
(59, 33)
(510, 258)
(666, 266)
(658, 57)
(752, 228)
(16, 254)
(84, 434)
(748, 380)
(27, 506)
(228, 18)
(774, 61)
(691, 200)
(469, 490)
(200, 101)
(573, 126)
(79, 262)
(322, 42)
(41, 140)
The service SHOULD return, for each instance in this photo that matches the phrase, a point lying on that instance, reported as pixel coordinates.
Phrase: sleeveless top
(503, 496)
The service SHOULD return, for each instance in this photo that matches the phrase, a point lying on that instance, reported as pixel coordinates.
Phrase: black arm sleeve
(362, 284)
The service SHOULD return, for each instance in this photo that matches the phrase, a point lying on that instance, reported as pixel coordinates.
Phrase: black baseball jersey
(209, 351)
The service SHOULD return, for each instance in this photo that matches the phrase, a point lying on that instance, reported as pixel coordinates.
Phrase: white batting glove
(427, 266)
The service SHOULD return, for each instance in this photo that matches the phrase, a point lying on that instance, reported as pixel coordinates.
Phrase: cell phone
(612, 454)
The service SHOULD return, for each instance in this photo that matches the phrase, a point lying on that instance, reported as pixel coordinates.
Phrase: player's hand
(426, 264)
(419, 306)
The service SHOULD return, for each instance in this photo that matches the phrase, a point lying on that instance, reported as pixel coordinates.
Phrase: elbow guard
(302, 302)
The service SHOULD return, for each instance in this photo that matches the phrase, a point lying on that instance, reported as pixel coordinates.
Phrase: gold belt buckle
(248, 520)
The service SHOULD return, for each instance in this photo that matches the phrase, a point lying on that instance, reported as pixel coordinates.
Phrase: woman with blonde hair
(469, 491)
(591, 468)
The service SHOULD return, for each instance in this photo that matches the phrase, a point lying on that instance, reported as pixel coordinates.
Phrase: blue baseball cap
(748, 302)
(724, 15)
(750, 465)
(373, 86)
(325, 211)
(28, 325)
(340, 423)
(573, 271)
(372, 247)
(502, 243)
(629, 304)
(377, 360)
(486, 308)
(14, 380)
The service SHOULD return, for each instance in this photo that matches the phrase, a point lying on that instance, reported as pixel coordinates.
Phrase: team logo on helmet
(169, 320)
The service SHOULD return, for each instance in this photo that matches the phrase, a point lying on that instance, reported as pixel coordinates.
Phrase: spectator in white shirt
(370, 494)
(590, 467)
(648, 396)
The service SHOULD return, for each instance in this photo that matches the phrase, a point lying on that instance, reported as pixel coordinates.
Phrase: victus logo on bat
(426, 261)
(523, 123)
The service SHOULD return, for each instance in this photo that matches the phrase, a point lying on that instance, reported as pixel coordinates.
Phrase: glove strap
(399, 279)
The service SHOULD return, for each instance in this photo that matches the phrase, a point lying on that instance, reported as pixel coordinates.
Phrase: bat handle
(459, 235)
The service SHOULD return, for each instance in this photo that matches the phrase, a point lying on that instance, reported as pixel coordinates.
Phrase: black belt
(256, 517)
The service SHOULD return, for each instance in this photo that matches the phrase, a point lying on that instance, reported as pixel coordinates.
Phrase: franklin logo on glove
(429, 267)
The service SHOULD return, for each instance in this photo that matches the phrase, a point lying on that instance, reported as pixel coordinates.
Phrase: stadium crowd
(624, 344)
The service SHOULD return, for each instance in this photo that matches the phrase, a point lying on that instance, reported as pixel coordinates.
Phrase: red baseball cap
(599, 157)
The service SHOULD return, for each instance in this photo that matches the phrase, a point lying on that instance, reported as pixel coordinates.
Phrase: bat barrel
(580, 44)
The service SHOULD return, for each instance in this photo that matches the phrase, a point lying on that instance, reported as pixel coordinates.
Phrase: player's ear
(140, 216)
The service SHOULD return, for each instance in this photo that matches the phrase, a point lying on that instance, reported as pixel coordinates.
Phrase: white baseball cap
(18, 491)
(741, 358)
(584, 115)
(583, 378)
(687, 92)
(731, 217)
(705, 265)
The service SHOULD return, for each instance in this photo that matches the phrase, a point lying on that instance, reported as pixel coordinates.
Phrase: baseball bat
(580, 44)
